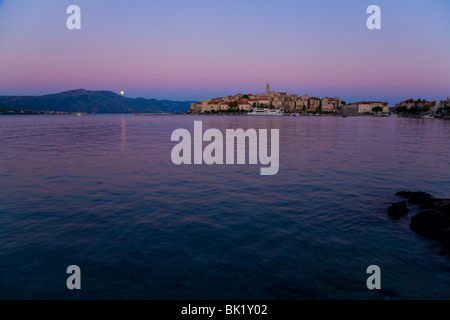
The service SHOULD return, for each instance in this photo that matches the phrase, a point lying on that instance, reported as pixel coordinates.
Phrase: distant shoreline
(10, 112)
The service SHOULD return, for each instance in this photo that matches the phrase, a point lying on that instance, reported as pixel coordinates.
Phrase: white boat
(428, 116)
(265, 112)
(78, 114)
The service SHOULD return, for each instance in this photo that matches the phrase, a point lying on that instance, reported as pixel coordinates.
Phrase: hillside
(92, 101)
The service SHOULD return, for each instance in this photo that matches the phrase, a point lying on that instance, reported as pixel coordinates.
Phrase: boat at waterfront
(265, 112)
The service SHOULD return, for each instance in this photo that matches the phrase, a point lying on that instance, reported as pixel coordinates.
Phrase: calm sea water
(101, 192)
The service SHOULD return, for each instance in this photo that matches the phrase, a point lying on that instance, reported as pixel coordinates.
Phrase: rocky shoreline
(433, 218)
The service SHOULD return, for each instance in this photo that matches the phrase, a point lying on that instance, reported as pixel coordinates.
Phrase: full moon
(121, 92)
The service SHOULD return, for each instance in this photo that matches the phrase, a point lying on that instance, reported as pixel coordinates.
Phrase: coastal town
(295, 105)
(82, 102)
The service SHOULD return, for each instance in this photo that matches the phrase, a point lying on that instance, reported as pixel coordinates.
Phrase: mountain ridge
(92, 101)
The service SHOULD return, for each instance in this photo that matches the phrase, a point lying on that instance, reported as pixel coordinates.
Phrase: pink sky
(195, 51)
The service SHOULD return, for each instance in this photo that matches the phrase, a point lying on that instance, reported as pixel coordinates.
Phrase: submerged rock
(396, 210)
(443, 207)
(429, 222)
(433, 219)
(444, 237)
(423, 199)
(413, 194)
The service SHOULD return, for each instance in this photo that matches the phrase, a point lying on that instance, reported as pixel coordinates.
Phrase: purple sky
(192, 50)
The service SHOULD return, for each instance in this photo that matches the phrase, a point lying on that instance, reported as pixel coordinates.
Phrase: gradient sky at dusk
(198, 49)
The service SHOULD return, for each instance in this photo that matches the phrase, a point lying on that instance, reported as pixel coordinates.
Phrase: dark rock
(444, 237)
(425, 200)
(429, 222)
(444, 207)
(414, 194)
(396, 210)
(433, 219)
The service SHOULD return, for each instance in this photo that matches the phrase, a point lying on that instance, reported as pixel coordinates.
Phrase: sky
(200, 49)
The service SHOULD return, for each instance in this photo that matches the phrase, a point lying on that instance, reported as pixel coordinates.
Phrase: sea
(101, 192)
